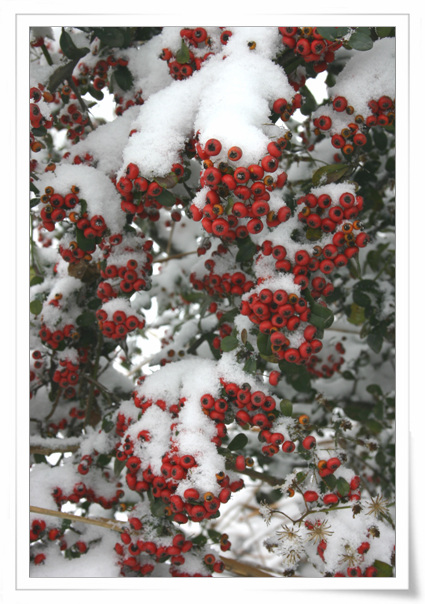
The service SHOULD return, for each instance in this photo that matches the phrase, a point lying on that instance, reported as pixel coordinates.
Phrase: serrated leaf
(239, 442)
(328, 174)
(36, 307)
(183, 54)
(229, 343)
(361, 39)
(69, 49)
(123, 77)
(286, 407)
(384, 569)
(342, 486)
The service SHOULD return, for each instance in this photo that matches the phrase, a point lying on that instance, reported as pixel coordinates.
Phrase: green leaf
(342, 486)
(183, 55)
(87, 245)
(347, 375)
(358, 411)
(328, 174)
(384, 569)
(375, 342)
(250, 365)
(380, 139)
(229, 343)
(332, 33)
(374, 389)
(330, 481)
(69, 49)
(385, 32)
(87, 318)
(36, 280)
(36, 307)
(96, 94)
(301, 476)
(119, 466)
(286, 407)
(373, 426)
(361, 299)
(167, 182)
(309, 102)
(356, 316)
(166, 199)
(103, 459)
(264, 345)
(247, 250)
(123, 77)
(361, 39)
(112, 36)
(214, 535)
(239, 442)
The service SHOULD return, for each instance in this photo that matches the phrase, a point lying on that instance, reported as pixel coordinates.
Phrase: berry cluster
(196, 49)
(126, 266)
(116, 323)
(349, 129)
(53, 339)
(139, 557)
(57, 207)
(222, 279)
(326, 369)
(236, 199)
(308, 44)
(139, 196)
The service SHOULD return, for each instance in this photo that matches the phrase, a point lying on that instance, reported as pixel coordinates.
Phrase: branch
(243, 569)
(113, 525)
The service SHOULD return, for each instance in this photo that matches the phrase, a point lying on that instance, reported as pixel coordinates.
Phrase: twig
(243, 569)
(176, 256)
(113, 525)
(39, 450)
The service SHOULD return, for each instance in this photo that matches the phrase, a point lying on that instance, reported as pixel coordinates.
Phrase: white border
(26, 589)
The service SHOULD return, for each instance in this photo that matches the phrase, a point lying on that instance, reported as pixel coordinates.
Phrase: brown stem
(37, 450)
(243, 569)
(113, 525)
